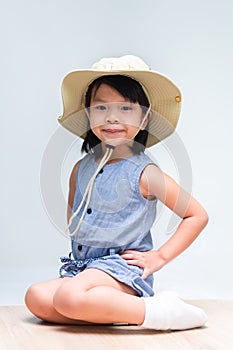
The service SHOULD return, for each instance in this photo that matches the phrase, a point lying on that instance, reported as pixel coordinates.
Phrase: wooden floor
(19, 330)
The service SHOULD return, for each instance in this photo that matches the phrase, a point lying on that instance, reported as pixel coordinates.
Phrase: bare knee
(38, 301)
(32, 295)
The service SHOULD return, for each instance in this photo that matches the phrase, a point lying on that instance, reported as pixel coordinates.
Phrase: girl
(119, 108)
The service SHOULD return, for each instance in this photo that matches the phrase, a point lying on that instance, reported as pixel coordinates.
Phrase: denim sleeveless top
(118, 216)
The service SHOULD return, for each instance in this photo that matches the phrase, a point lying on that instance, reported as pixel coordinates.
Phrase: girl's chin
(117, 142)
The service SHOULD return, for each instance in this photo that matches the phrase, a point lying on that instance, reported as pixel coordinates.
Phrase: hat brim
(163, 94)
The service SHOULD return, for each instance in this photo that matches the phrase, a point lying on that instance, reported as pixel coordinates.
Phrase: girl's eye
(100, 108)
(126, 108)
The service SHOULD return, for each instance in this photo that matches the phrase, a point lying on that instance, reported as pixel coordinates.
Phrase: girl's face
(113, 118)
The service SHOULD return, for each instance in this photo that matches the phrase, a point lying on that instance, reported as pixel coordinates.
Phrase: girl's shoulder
(82, 162)
(143, 160)
(149, 172)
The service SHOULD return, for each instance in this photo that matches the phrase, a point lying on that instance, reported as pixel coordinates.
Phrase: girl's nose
(112, 116)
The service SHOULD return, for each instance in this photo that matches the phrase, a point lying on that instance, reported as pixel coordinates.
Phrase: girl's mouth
(113, 131)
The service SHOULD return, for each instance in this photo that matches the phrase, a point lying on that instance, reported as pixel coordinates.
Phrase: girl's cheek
(95, 130)
(93, 125)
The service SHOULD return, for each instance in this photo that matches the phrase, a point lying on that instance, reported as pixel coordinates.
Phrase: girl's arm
(155, 183)
(72, 188)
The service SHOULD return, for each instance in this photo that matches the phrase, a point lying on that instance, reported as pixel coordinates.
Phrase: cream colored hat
(163, 95)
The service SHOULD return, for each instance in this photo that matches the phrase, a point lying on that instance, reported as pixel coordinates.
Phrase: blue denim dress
(118, 218)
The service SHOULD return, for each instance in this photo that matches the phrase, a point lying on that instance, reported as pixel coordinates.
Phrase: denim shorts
(113, 265)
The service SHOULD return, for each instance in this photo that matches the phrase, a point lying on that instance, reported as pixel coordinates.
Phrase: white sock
(167, 311)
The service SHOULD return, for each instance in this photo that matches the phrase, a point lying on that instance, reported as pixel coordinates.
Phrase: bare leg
(39, 300)
(91, 296)
(105, 305)
(95, 296)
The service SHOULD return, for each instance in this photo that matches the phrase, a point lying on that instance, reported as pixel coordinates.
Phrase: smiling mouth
(112, 131)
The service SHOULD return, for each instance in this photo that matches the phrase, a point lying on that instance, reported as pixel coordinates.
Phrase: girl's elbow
(204, 218)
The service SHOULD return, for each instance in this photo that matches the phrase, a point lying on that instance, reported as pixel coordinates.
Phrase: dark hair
(128, 88)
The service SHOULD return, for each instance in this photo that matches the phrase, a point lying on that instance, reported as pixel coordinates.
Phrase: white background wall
(189, 41)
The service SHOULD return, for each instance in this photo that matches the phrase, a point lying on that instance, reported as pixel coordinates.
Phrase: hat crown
(128, 62)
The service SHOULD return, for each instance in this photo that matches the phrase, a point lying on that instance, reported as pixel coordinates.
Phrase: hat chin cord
(88, 191)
